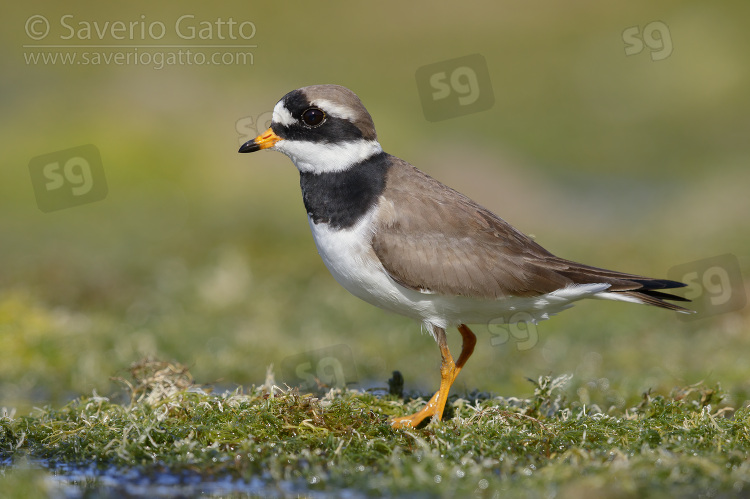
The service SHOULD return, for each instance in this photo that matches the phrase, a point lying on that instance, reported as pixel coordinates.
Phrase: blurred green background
(204, 256)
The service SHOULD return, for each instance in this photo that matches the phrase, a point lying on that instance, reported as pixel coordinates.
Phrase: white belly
(349, 257)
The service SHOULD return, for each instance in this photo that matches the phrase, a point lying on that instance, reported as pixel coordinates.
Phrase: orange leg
(448, 372)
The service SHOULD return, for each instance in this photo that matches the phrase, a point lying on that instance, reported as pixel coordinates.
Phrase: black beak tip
(249, 146)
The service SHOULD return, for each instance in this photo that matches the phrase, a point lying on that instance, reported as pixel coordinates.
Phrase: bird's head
(322, 128)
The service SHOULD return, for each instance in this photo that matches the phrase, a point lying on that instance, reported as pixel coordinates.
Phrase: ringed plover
(400, 240)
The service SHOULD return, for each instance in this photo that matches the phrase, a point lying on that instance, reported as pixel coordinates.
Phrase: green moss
(668, 444)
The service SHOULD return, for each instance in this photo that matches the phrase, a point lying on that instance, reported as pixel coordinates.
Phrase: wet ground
(89, 481)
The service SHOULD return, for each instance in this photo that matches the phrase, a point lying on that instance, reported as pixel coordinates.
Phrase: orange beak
(264, 141)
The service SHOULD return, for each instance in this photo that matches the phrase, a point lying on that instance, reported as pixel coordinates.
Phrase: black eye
(313, 116)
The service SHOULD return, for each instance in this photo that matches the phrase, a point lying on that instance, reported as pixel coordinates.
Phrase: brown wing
(434, 239)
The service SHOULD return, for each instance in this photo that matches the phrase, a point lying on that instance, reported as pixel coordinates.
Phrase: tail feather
(649, 293)
(649, 298)
(636, 288)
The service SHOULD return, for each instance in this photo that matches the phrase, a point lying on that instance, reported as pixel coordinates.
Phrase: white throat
(318, 157)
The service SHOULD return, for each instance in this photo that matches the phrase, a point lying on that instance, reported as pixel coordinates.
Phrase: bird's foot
(433, 407)
(448, 372)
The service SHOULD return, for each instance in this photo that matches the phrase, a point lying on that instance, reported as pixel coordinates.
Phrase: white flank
(317, 157)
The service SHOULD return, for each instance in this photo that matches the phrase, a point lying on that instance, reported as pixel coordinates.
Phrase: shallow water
(67, 481)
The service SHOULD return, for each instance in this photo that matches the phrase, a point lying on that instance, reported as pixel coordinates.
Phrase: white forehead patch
(281, 115)
(334, 109)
